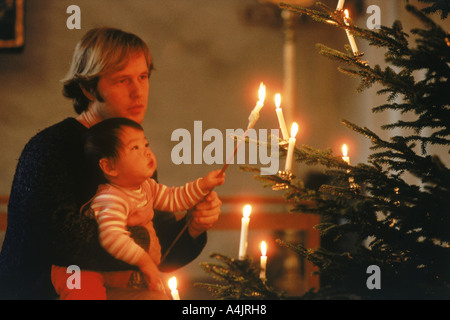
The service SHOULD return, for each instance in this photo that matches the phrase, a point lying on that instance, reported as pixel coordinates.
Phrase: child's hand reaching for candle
(211, 180)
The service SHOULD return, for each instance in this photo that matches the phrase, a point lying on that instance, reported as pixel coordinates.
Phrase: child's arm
(111, 214)
(150, 271)
(177, 199)
(186, 197)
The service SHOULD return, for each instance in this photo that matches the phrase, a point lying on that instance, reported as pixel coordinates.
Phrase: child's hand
(150, 271)
(211, 180)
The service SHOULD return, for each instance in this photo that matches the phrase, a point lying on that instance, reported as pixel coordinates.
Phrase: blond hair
(101, 50)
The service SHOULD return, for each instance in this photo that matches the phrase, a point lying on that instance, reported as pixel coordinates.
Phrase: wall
(209, 65)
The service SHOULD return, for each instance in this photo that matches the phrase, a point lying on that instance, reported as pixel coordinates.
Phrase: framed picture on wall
(12, 25)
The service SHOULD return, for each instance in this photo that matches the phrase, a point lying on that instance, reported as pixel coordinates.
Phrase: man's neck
(88, 118)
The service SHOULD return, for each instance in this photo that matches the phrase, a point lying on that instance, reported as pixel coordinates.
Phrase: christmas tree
(396, 229)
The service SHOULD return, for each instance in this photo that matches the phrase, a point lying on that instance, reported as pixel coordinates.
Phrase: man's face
(125, 92)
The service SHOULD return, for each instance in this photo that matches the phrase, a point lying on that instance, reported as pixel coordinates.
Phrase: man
(108, 78)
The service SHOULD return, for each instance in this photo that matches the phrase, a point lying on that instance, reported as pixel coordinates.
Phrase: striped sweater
(115, 208)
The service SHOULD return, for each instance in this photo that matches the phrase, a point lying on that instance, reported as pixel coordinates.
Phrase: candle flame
(277, 100)
(173, 284)
(294, 129)
(263, 248)
(247, 210)
(347, 15)
(262, 92)
(344, 150)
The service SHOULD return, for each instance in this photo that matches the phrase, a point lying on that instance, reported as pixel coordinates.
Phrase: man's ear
(89, 95)
(108, 167)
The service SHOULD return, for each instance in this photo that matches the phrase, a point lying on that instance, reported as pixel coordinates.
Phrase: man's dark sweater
(45, 226)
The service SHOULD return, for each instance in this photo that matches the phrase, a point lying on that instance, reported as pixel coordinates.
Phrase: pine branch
(431, 113)
(438, 5)
(399, 226)
(238, 279)
(393, 38)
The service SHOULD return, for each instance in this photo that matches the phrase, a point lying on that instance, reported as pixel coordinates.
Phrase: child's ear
(107, 166)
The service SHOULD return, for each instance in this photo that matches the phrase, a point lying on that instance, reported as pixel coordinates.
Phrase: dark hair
(101, 50)
(102, 141)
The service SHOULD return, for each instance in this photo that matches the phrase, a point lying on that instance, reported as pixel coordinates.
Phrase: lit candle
(346, 158)
(262, 93)
(254, 115)
(351, 39)
(280, 116)
(290, 154)
(340, 5)
(344, 154)
(244, 231)
(173, 288)
(262, 273)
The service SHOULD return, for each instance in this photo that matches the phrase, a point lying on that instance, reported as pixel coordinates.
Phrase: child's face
(136, 161)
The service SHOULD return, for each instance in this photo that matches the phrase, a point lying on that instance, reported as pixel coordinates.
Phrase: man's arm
(50, 185)
(193, 240)
(186, 248)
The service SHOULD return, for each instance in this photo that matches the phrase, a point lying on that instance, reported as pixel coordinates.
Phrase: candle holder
(358, 57)
(286, 176)
(353, 185)
(284, 143)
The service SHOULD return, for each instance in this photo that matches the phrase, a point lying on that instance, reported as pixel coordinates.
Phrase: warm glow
(173, 284)
(262, 92)
(294, 129)
(344, 150)
(347, 15)
(263, 248)
(277, 100)
(247, 210)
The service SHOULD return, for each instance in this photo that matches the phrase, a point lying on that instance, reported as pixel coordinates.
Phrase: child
(119, 151)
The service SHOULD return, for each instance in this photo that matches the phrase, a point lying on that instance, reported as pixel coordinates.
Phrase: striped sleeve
(111, 212)
(177, 199)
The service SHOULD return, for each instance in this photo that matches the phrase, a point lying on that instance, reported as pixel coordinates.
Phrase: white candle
(280, 116)
(290, 154)
(350, 37)
(352, 41)
(173, 288)
(344, 154)
(243, 244)
(346, 158)
(254, 115)
(340, 5)
(262, 273)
